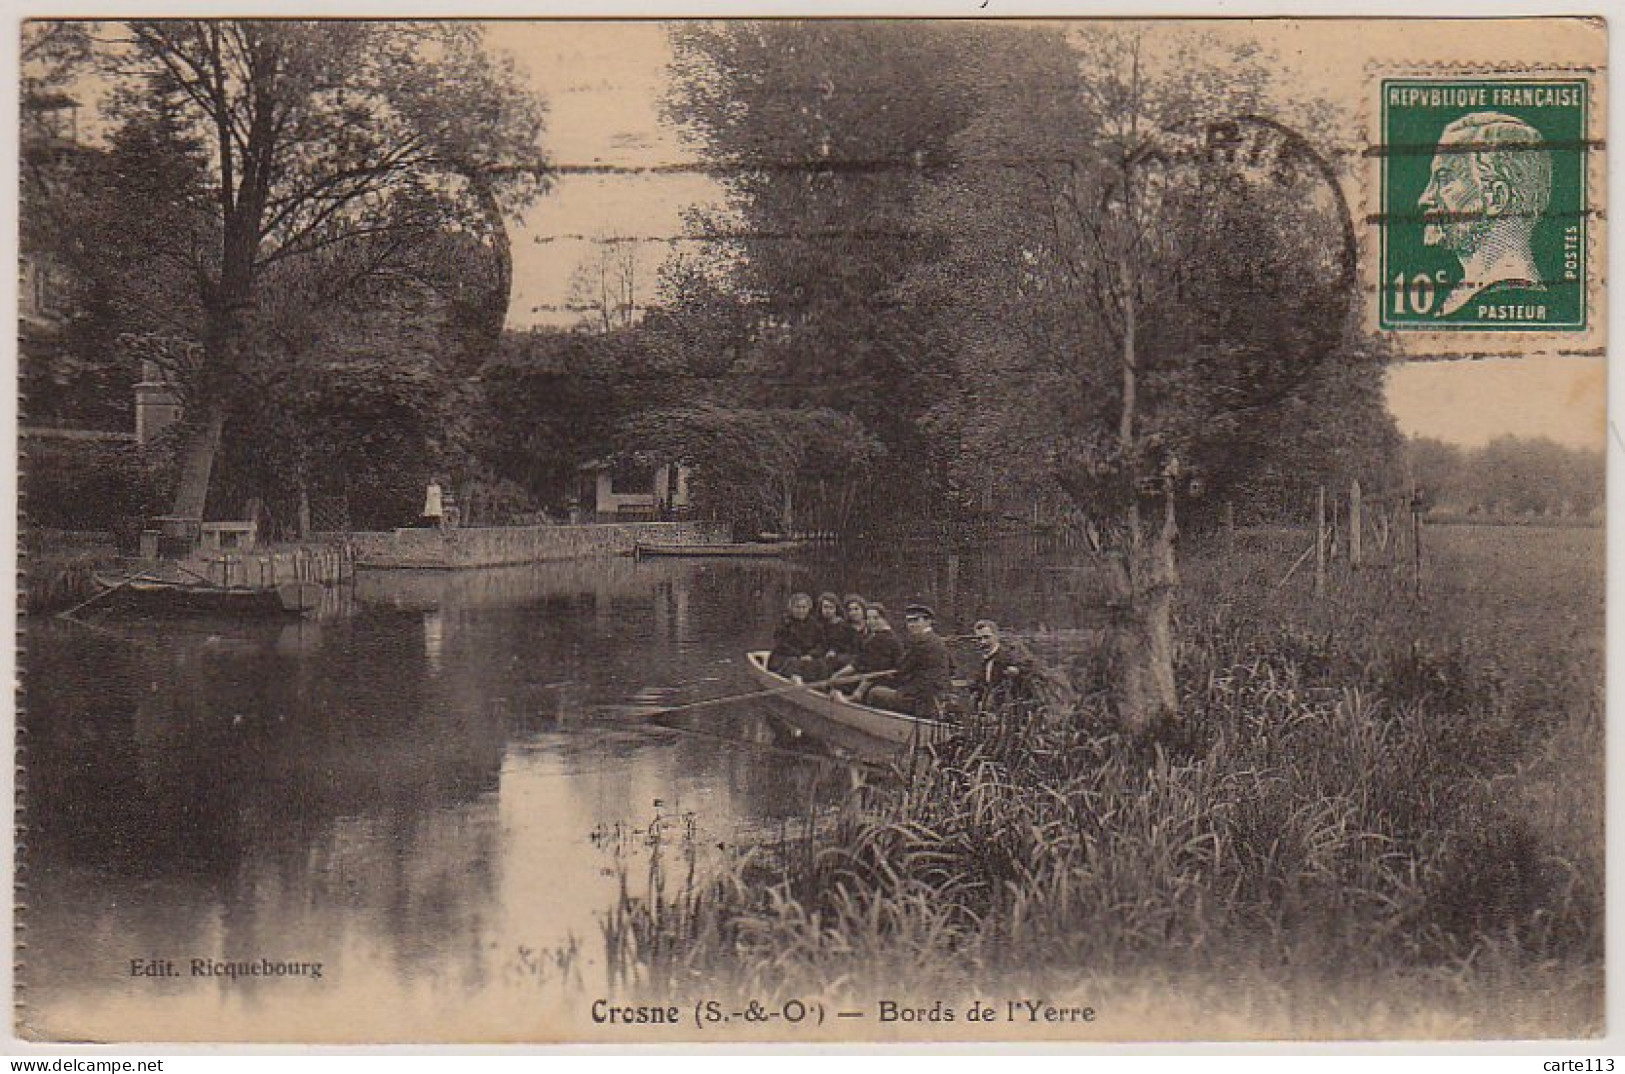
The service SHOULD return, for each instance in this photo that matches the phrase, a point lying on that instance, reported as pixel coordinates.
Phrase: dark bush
(88, 485)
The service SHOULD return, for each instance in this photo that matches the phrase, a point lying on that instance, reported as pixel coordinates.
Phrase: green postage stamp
(1483, 223)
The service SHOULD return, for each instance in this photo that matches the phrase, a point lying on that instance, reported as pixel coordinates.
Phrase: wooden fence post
(1320, 540)
(1334, 531)
(1356, 525)
(1416, 542)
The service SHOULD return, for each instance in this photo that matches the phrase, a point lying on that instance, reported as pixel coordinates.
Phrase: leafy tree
(322, 135)
(607, 284)
(1584, 480)
(53, 53)
(1517, 476)
(1510, 475)
(552, 401)
(125, 224)
(700, 328)
(365, 378)
(58, 176)
(1438, 471)
(749, 462)
(1146, 280)
(1325, 434)
(825, 135)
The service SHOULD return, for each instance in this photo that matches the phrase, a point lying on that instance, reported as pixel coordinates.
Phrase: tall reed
(1353, 795)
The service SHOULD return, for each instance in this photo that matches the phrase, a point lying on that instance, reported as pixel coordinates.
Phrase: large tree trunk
(221, 349)
(197, 463)
(223, 337)
(1141, 641)
(494, 303)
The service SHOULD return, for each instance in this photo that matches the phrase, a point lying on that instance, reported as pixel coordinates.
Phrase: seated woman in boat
(857, 616)
(848, 641)
(832, 622)
(798, 643)
(879, 651)
(840, 637)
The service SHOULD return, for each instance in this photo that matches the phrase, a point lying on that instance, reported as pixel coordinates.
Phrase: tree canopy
(750, 462)
(1508, 476)
(825, 135)
(1121, 206)
(336, 155)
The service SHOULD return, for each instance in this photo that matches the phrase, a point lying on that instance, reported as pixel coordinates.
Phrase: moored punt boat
(749, 548)
(171, 597)
(870, 732)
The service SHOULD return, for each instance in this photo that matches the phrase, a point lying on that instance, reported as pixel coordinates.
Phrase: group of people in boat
(847, 644)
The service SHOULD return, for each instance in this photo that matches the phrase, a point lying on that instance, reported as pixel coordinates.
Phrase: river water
(435, 790)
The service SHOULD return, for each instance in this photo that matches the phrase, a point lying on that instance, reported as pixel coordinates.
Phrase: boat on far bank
(742, 549)
(161, 596)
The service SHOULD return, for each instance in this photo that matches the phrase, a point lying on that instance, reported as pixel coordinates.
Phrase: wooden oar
(137, 576)
(764, 747)
(771, 691)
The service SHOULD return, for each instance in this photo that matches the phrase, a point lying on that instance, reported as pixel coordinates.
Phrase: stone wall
(498, 546)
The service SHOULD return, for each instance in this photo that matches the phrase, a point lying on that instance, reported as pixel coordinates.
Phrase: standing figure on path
(924, 674)
(434, 506)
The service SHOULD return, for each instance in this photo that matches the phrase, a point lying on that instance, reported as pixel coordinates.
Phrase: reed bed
(1381, 814)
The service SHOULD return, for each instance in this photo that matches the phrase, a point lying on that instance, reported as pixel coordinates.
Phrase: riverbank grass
(1380, 816)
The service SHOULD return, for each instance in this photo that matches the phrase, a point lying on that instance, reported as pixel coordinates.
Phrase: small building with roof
(632, 490)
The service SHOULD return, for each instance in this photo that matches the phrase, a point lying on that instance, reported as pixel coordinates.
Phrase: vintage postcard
(540, 531)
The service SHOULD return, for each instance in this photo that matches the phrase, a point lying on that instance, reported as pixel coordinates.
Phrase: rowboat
(167, 596)
(747, 548)
(869, 732)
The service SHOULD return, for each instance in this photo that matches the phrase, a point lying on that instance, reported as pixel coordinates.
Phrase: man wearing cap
(925, 673)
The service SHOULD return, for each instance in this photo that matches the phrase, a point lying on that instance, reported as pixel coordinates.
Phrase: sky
(1472, 401)
(603, 83)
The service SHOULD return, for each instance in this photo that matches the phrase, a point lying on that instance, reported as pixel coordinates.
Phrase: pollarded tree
(318, 135)
(1143, 273)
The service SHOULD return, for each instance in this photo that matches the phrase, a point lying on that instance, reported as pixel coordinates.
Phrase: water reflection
(407, 792)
